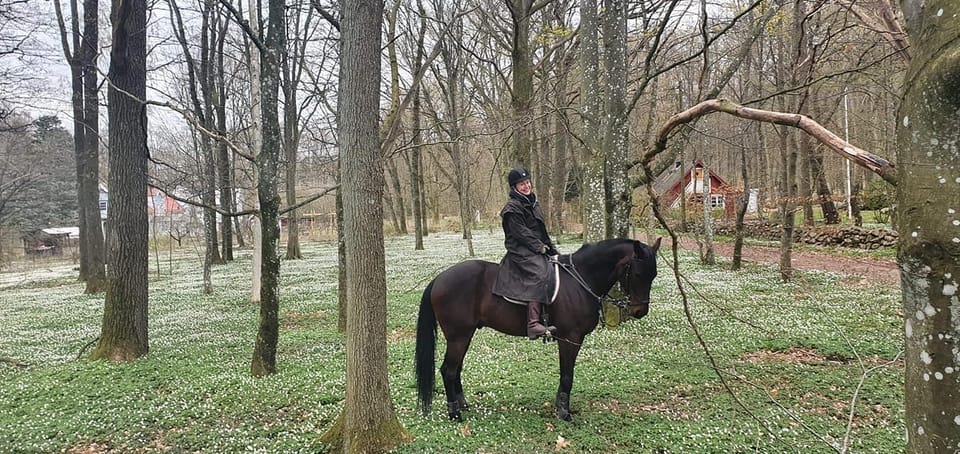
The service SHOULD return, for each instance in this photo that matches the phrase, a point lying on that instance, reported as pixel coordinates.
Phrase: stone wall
(846, 236)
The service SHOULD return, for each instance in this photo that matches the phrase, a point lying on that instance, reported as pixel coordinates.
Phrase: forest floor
(860, 270)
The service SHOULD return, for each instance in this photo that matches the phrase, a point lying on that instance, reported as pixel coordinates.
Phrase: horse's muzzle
(640, 310)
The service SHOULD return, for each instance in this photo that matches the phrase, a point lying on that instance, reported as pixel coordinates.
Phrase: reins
(571, 269)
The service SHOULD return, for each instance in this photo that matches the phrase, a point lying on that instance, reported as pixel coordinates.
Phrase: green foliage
(646, 386)
(42, 158)
(879, 196)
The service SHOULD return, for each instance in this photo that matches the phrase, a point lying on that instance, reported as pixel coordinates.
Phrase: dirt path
(860, 270)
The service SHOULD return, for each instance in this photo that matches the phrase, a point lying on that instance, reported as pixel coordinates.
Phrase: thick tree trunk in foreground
(368, 423)
(123, 336)
(928, 134)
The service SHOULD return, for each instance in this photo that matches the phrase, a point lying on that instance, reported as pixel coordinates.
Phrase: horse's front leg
(568, 359)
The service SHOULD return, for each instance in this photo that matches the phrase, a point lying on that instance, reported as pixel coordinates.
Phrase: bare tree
(200, 86)
(80, 50)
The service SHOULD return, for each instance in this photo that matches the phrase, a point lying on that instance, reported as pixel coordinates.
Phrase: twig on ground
(14, 362)
(85, 347)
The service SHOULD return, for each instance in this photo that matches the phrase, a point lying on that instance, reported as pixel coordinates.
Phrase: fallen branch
(880, 166)
(14, 362)
(85, 347)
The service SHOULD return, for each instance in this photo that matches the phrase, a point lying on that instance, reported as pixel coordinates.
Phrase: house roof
(670, 177)
(72, 232)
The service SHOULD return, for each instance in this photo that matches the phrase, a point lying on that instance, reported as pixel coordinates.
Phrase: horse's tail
(426, 350)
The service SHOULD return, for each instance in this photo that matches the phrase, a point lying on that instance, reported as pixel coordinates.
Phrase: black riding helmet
(517, 175)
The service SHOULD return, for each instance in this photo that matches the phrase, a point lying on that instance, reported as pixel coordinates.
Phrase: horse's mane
(604, 244)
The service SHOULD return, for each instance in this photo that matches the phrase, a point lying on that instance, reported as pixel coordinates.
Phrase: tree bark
(82, 58)
(268, 160)
(521, 93)
(928, 255)
(368, 422)
(256, 135)
(591, 181)
(124, 335)
(89, 178)
(617, 185)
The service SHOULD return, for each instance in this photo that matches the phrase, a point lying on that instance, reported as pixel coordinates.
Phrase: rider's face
(525, 187)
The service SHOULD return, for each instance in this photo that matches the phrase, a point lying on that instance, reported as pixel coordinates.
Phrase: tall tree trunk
(86, 123)
(89, 179)
(416, 162)
(268, 160)
(224, 163)
(400, 203)
(928, 134)
(521, 93)
(560, 150)
(394, 201)
(256, 135)
(124, 335)
(617, 185)
(368, 422)
(830, 214)
(741, 212)
(209, 174)
(788, 205)
(591, 184)
(709, 258)
(291, 145)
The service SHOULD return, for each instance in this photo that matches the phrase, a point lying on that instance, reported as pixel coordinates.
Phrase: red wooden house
(689, 179)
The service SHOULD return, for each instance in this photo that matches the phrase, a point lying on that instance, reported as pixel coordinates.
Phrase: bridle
(620, 303)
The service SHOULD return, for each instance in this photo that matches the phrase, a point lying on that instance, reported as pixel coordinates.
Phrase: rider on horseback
(524, 273)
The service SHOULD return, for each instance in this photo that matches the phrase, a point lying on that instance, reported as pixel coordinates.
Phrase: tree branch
(876, 164)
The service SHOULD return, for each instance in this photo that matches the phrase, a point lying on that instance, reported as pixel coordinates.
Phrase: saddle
(556, 286)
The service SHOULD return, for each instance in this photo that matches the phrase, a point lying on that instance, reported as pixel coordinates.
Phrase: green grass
(791, 354)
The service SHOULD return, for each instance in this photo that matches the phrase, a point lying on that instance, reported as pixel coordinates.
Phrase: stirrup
(547, 333)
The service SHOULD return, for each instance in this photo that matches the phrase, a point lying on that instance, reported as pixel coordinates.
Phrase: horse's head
(637, 278)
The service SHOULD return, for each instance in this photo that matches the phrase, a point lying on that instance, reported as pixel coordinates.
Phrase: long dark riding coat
(524, 273)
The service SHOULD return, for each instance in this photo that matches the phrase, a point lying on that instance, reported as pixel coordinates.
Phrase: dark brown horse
(459, 299)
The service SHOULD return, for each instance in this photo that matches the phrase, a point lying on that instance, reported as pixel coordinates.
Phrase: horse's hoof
(563, 406)
(453, 411)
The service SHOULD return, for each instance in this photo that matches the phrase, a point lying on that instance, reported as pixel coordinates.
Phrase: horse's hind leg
(450, 371)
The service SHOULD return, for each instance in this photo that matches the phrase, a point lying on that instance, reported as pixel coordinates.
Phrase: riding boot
(535, 328)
